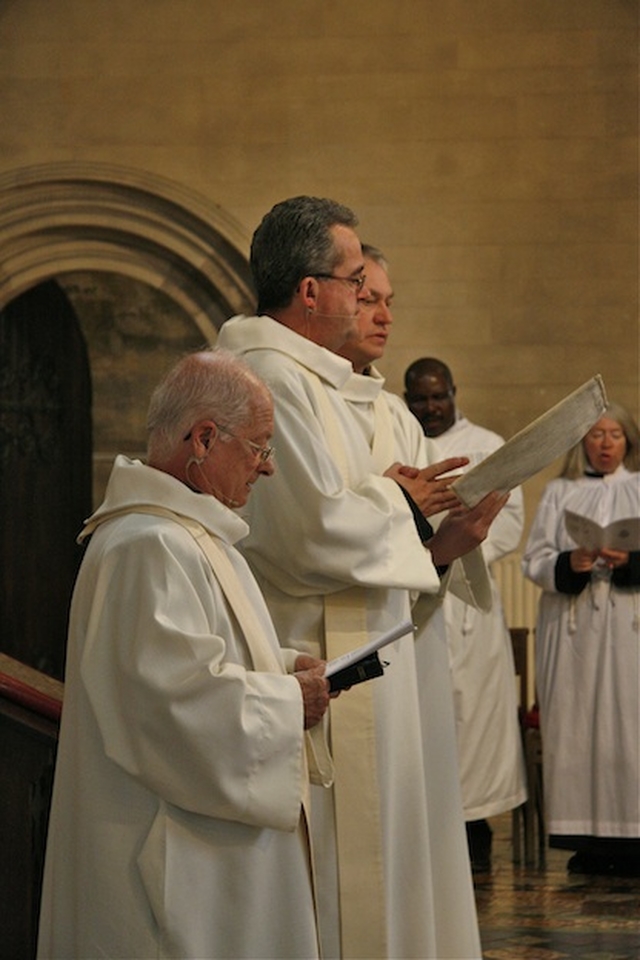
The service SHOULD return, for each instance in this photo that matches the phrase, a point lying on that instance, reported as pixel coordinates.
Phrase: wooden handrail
(30, 688)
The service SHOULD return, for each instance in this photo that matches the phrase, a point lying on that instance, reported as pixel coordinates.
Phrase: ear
(204, 433)
(308, 291)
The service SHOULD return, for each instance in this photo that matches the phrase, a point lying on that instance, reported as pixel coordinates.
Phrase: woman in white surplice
(587, 652)
(178, 819)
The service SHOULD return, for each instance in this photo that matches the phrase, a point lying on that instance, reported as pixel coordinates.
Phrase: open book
(536, 446)
(618, 535)
(363, 663)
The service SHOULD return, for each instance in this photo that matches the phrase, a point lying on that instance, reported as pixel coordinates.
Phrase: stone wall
(490, 149)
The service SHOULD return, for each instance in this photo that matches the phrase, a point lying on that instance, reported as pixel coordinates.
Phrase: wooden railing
(30, 688)
(30, 707)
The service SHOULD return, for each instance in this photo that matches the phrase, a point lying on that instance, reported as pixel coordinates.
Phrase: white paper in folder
(353, 656)
(538, 445)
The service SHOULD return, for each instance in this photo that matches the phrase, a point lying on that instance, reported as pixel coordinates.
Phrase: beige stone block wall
(491, 149)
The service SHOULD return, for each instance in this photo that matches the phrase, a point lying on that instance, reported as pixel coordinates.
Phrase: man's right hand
(464, 529)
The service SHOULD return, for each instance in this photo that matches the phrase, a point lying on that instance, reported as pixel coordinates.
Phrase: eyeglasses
(357, 282)
(262, 453)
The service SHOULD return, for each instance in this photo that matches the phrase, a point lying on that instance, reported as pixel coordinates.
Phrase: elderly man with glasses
(180, 808)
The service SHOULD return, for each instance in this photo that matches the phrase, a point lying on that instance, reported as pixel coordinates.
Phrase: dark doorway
(45, 472)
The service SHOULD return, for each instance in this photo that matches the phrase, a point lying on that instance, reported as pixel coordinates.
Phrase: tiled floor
(544, 913)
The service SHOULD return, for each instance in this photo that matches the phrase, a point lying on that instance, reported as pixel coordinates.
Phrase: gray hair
(375, 254)
(213, 384)
(576, 461)
(292, 242)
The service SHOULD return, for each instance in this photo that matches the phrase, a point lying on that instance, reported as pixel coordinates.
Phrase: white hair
(213, 384)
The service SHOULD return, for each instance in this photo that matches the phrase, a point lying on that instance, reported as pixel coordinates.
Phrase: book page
(536, 446)
(354, 655)
(619, 535)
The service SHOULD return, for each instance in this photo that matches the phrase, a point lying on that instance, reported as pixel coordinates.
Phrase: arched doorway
(62, 220)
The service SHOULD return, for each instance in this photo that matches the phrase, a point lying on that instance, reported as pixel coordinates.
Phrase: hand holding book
(363, 663)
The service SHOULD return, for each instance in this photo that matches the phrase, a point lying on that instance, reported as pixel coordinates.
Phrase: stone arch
(63, 217)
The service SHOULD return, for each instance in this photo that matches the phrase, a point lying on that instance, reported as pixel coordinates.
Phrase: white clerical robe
(453, 892)
(175, 827)
(587, 668)
(314, 536)
(490, 754)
